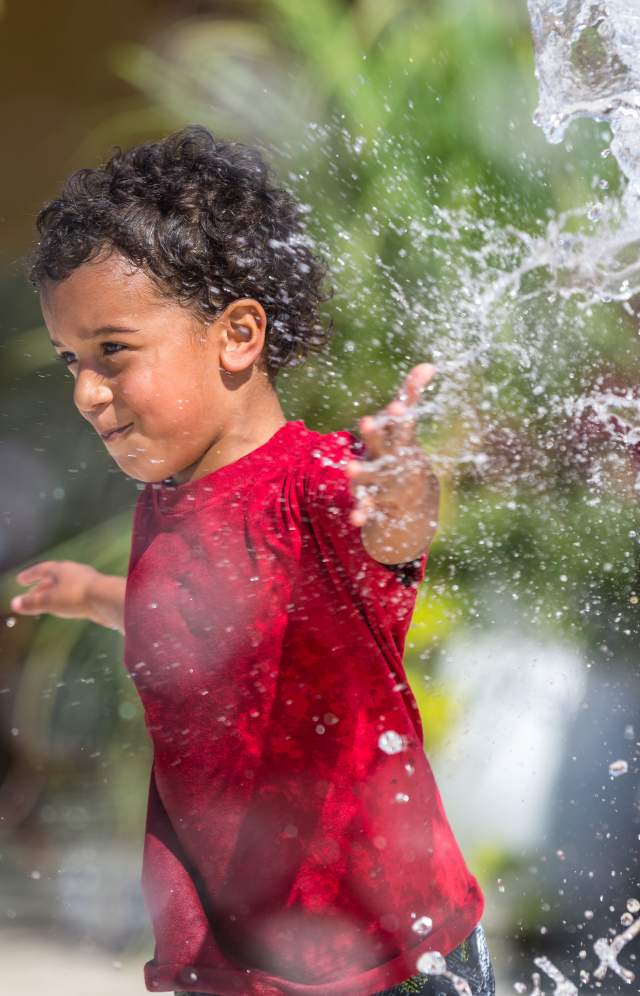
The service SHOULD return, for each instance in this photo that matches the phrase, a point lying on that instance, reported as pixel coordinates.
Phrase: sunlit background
(406, 128)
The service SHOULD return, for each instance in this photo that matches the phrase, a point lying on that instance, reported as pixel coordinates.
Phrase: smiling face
(142, 360)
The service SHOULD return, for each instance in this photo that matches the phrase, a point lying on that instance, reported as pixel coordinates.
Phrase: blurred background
(523, 649)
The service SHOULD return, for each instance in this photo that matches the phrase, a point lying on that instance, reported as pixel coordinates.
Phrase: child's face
(143, 361)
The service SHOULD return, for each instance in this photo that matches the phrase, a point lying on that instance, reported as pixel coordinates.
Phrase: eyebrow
(104, 330)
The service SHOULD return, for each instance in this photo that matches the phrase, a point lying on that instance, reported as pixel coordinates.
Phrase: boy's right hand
(62, 588)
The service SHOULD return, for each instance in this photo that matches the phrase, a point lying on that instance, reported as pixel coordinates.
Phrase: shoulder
(321, 482)
(323, 456)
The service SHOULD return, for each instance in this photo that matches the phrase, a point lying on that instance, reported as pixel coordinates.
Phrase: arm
(106, 601)
(72, 591)
(397, 492)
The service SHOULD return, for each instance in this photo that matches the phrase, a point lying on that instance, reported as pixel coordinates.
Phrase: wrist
(105, 600)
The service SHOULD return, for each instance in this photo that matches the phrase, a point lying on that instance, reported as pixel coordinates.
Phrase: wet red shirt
(286, 851)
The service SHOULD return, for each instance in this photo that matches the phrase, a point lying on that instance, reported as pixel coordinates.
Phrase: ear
(244, 327)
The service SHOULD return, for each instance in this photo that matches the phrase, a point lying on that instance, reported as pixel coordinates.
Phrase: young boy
(296, 840)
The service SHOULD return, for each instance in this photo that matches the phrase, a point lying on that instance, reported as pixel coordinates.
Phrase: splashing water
(516, 300)
(509, 316)
(587, 66)
(433, 963)
(607, 953)
(563, 986)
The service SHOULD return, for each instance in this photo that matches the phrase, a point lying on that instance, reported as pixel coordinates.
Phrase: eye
(67, 362)
(116, 345)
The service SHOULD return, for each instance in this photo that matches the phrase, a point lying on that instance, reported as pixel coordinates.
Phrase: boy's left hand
(396, 491)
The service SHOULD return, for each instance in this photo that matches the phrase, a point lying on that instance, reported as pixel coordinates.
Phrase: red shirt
(286, 851)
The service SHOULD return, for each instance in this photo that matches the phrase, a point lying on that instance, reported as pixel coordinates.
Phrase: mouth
(108, 436)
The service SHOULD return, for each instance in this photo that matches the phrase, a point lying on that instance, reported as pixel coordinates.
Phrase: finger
(45, 574)
(35, 571)
(402, 426)
(33, 603)
(386, 433)
(400, 419)
(359, 515)
(415, 382)
(403, 408)
(373, 434)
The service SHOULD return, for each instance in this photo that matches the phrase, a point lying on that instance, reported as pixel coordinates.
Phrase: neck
(243, 433)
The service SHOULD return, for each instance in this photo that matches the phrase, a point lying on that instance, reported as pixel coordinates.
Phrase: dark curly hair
(203, 219)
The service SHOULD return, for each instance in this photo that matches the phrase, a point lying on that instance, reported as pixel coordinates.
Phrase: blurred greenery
(376, 112)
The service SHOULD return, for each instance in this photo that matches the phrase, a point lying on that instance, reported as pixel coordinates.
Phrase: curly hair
(202, 218)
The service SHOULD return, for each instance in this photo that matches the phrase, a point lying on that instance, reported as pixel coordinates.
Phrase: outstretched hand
(396, 491)
(61, 587)
(70, 590)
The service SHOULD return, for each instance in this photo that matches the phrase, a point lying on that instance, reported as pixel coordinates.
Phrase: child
(296, 841)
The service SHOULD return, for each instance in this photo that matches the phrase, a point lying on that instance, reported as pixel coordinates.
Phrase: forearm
(106, 601)
(404, 531)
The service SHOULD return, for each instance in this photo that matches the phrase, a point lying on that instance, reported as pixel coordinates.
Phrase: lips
(107, 436)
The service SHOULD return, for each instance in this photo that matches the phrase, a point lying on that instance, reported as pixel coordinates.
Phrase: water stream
(524, 300)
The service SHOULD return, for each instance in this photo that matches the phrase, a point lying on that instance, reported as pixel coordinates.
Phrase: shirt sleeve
(328, 500)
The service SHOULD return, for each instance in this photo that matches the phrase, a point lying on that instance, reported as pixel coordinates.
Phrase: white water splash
(587, 65)
(433, 963)
(563, 986)
(607, 953)
(499, 298)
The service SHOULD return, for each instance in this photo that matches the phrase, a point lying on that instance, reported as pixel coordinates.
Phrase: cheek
(178, 395)
(140, 391)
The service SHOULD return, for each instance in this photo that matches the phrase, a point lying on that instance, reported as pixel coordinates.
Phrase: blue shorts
(469, 961)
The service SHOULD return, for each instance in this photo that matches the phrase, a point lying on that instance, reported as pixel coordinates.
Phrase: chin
(139, 466)
(135, 469)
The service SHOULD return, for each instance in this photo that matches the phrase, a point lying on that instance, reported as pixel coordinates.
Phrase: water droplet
(422, 926)
(617, 768)
(431, 963)
(391, 742)
(330, 719)
(10, 621)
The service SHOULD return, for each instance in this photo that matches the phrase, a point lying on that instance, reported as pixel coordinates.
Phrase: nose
(91, 391)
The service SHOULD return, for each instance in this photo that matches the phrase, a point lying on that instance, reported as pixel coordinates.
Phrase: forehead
(100, 292)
